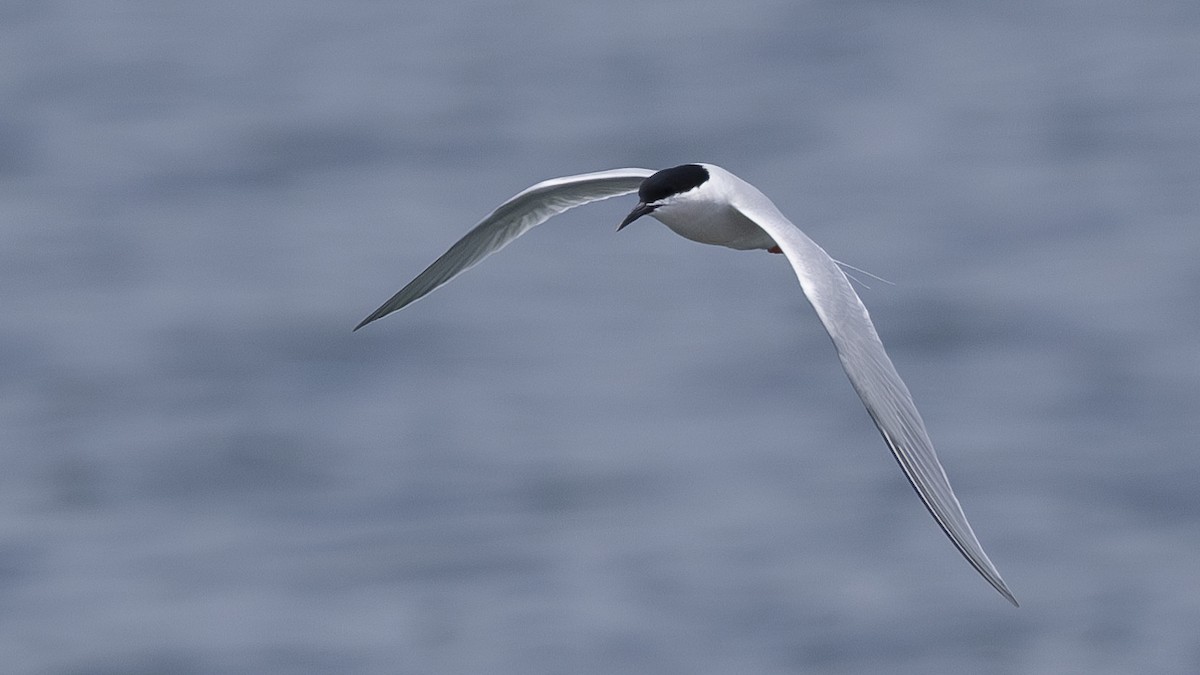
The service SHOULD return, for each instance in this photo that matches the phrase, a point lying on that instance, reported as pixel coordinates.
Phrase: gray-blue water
(596, 452)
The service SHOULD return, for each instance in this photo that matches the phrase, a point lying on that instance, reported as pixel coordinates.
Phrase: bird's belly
(717, 226)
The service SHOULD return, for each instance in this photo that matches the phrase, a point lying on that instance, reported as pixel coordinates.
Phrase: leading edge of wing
(516, 216)
(875, 379)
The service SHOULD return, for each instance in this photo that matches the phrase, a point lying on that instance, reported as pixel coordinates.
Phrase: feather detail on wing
(515, 217)
(873, 376)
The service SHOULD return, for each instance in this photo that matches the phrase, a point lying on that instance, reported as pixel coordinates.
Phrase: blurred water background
(595, 453)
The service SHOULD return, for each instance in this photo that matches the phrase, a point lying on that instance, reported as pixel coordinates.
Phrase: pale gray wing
(873, 376)
(510, 220)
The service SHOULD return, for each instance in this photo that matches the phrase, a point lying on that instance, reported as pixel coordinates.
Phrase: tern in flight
(708, 204)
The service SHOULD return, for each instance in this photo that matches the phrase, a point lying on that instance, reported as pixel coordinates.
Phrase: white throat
(706, 215)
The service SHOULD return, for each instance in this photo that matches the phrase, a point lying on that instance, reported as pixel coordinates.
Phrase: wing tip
(1002, 587)
(377, 314)
(1010, 598)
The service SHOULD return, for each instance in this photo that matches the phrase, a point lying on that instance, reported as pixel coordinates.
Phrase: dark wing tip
(377, 314)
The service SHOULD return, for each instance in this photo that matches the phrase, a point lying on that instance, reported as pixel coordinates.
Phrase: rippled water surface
(595, 453)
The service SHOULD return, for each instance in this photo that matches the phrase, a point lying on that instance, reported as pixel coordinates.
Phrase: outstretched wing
(873, 376)
(510, 220)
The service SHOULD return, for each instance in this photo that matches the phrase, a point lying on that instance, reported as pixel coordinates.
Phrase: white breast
(704, 215)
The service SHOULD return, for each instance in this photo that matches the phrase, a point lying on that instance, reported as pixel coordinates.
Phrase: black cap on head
(672, 181)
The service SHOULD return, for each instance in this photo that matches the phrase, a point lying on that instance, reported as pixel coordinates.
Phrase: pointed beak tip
(638, 211)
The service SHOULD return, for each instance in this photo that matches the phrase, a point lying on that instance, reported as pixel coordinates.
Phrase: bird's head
(669, 186)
